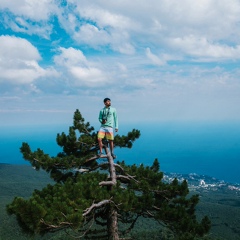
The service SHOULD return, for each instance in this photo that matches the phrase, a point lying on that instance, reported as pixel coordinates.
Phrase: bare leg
(111, 145)
(100, 145)
(111, 148)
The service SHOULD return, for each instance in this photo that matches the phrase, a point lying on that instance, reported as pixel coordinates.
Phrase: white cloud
(115, 42)
(87, 76)
(99, 27)
(201, 47)
(31, 9)
(155, 59)
(91, 35)
(19, 24)
(97, 37)
(106, 17)
(126, 26)
(19, 61)
(15, 48)
(28, 16)
(69, 57)
(79, 70)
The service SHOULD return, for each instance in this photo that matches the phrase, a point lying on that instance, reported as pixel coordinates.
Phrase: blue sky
(158, 60)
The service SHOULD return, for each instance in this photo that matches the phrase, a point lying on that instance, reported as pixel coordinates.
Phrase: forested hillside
(222, 208)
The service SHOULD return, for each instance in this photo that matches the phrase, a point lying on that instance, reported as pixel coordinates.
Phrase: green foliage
(127, 141)
(80, 196)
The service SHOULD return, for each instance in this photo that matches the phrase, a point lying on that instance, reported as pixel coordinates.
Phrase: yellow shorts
(106, 132)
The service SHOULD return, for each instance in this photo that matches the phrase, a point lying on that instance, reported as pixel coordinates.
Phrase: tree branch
(96, 205)
(84, 231)
(132, 225)
(94, 158)
(127, 177)
(107, 183)
(119, 166)
(55, 227)
(57, 165)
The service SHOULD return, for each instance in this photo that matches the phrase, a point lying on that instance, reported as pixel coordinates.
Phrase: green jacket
(111, 115)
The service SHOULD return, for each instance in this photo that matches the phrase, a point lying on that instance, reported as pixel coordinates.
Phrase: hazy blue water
(204, 148)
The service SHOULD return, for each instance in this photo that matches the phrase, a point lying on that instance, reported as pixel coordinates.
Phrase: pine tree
(92, 196)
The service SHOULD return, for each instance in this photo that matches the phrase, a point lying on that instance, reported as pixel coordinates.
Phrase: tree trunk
(112, 224)
(112, 219)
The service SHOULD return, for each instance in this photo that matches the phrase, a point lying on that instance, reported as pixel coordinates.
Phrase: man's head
(107, 102)
(106, 99)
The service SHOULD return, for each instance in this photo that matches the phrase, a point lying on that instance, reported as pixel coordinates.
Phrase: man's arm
(100, 116)
(115, 120)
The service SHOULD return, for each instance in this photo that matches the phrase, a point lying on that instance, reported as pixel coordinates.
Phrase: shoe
(113, 156)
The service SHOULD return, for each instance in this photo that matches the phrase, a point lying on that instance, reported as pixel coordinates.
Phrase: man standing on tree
(108, 119)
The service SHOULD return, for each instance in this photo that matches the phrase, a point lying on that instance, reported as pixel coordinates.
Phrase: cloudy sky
(158, 60)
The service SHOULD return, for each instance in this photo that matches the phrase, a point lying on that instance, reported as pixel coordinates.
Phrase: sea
(205, 148)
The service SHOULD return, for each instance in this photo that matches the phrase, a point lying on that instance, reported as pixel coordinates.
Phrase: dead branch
(96, 205)
(150, 214)
(107, 183)
(82, 170)
(37, 160)
(123, 177)
(119, 166)
(51, 226)
(58, 165)
(127, 177)
(123, 171)
(91, 159)
(156, 208)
